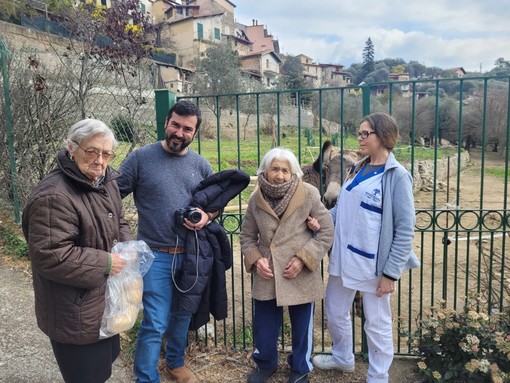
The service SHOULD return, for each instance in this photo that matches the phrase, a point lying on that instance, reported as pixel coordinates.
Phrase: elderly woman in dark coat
(71, 221)
(284, 255)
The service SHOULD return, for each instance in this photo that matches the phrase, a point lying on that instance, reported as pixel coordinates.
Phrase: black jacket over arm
(202, 281)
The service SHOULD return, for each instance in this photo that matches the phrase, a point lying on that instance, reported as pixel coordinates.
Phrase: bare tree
(50, 92)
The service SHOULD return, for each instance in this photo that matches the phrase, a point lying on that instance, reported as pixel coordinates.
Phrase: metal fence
(454, 140)
(44, 94)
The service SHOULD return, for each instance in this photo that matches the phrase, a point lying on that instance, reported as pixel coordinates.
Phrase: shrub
(466, 346)
(13, 243)
(123, 127)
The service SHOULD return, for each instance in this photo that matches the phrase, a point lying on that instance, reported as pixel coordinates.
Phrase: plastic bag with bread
(124, 290)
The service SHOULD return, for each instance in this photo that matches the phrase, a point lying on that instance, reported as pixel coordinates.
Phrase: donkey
(334, 169)
(332, 176)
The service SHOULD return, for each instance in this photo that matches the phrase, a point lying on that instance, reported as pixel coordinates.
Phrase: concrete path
(25, 352)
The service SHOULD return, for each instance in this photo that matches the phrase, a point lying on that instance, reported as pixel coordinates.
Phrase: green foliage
(11, 11)
(400, 69)
(129, 338)
(59, 6)
(502, 63)
(13, 243)
(498, 172)
(466, 346)
(219, 72)
(123, 127)
(368, 59)
(292, 70)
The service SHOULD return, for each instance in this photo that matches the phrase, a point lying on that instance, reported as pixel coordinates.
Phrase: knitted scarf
(278, 196)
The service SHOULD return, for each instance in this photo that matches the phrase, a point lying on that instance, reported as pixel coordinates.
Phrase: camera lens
(194, 216)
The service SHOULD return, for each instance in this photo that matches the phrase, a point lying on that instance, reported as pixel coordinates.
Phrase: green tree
(380, 73)
(400, 69)
(415, 69)
(292, 78)
(502, 68)
(368, 59)
(502, 63)
(218, 73)
(393, 62)
(292, 73)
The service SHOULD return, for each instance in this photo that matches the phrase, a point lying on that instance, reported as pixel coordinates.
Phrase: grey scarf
(278, 196)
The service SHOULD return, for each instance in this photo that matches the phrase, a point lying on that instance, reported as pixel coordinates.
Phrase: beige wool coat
(263, 234)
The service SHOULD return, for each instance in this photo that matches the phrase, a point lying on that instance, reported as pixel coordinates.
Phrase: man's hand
(263, 268)
(199, 225)
(293, 268)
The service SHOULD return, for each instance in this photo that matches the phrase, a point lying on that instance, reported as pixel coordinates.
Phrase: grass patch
(128, 341)
(498, 172)
(403, 153)
(229, 153)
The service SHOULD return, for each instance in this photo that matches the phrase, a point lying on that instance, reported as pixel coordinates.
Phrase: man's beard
(176, 148)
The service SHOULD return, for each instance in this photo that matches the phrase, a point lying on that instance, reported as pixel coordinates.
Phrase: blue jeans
(159, 316)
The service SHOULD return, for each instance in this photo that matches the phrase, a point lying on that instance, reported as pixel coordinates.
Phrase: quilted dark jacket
(209, 251)
(70, 227)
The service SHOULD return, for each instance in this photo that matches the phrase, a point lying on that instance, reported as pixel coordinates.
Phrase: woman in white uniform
(374, 229)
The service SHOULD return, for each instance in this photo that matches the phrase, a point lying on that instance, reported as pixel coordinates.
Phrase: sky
(444, 33)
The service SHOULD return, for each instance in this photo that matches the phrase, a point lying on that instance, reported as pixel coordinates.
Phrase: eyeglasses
(92, 154)
(365, 133)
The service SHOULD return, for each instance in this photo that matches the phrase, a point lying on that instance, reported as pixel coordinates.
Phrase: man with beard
(162, 178)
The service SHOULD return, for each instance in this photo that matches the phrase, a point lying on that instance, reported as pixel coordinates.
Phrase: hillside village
(195, 25)
(189, 27)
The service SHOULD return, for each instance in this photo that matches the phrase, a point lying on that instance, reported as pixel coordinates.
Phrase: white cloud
(435, 32)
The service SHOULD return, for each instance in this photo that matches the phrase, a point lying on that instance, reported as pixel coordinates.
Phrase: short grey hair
(281, 154)
(87, 128)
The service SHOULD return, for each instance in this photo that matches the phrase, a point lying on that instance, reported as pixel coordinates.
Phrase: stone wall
(288, 118)
(43, 44)
(424, 171)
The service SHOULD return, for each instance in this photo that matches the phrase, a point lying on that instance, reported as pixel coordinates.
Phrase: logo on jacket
(375, 195)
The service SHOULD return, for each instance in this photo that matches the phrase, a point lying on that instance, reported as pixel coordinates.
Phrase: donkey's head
(336, 169)
(332, 173)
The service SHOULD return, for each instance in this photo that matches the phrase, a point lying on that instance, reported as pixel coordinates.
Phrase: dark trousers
(267, 323)
(89, 363)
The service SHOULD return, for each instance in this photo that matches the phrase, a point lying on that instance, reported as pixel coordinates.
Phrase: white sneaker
(327, 362)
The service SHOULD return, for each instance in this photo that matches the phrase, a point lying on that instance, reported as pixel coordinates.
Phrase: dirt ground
(220, 364)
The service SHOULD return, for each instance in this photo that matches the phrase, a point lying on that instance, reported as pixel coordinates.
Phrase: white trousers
(378, 328)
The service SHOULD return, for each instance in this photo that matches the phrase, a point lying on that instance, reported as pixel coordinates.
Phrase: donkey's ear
(327, 148)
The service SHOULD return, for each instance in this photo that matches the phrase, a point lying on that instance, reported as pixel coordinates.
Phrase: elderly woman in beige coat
(285, 233)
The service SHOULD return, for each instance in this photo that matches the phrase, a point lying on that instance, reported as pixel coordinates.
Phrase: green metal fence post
(365, 89)
(165, 99)
(10, 135)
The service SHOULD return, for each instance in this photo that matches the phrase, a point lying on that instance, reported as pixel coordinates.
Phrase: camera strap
(197, 247)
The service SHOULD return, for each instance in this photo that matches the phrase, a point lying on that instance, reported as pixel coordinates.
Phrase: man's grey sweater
(161, 183)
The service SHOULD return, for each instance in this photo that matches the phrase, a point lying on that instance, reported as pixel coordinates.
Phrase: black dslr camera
(191, 213)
